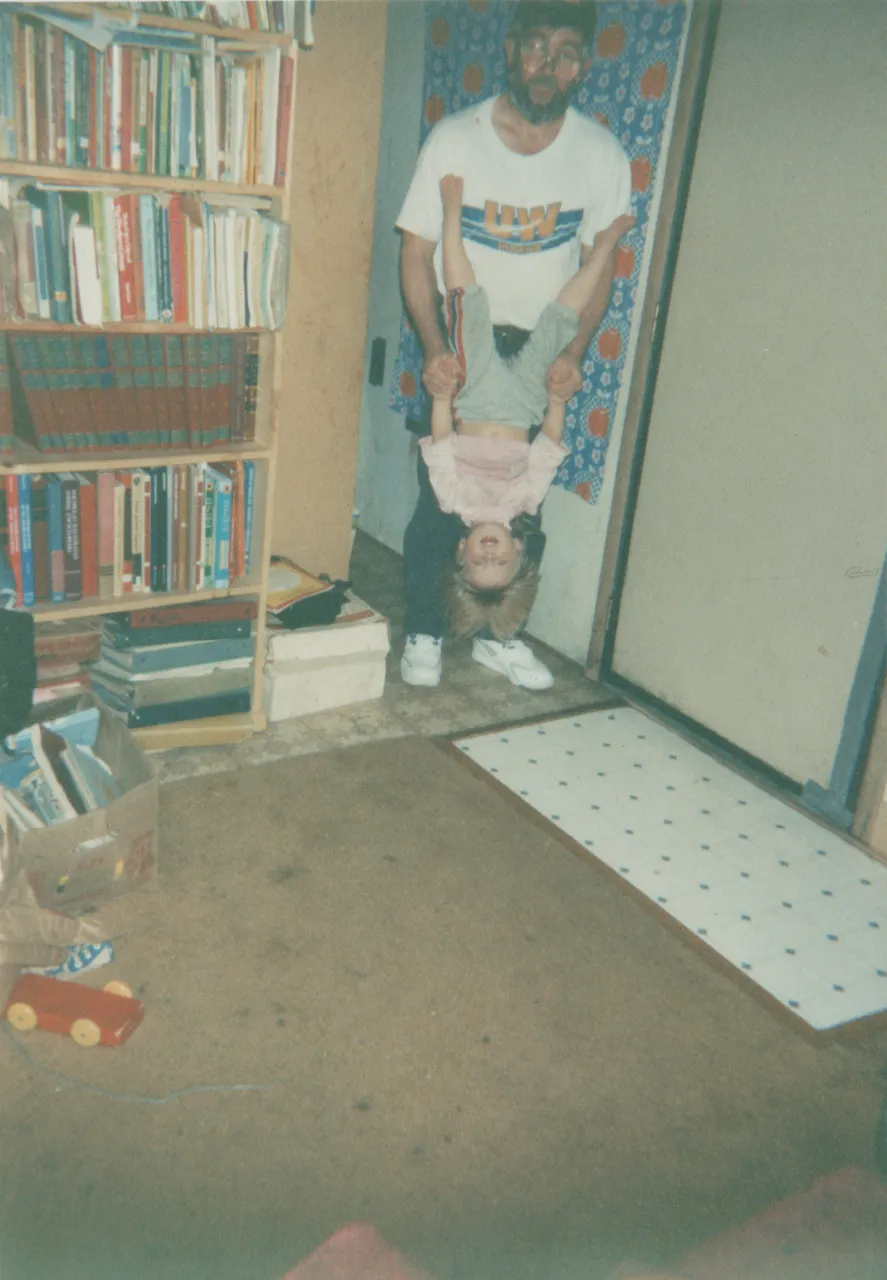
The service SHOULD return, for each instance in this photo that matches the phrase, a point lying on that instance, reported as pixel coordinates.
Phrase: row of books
(74, 536)
(154, 101)
(80, 392)
(51, 773)
(286, 17)
(197, 663)
(62, 647)
(96, 256)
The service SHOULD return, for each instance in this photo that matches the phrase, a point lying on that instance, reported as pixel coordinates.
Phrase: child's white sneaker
(515, 660)
(421, 661)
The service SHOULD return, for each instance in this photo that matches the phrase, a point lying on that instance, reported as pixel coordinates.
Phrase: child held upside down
(479, 460)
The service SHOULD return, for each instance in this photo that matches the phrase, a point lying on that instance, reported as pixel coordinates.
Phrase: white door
(760, 522)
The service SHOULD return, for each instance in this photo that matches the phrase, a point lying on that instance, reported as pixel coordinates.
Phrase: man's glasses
(536, 49)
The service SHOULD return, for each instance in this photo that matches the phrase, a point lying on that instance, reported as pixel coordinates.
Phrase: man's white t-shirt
(524, 217)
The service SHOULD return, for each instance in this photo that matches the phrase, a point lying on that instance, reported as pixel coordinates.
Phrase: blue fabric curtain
(628, 88)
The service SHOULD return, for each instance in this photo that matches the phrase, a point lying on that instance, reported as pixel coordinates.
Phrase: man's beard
(538, 112)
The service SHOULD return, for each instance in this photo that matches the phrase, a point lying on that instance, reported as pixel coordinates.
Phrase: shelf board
(32, 462)
(122, 326)
(66, 175)
(213, 732)
(240, 34)
(96, 605)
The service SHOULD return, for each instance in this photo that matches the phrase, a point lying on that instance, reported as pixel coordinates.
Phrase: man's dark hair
(581, 15)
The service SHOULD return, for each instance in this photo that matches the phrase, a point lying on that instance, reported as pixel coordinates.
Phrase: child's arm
(458, 272)
(441, 418)
(553, 422)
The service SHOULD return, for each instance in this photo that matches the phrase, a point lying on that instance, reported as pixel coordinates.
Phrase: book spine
(285, 101)
(149, 257)
(59, 282)
(178, 279)
(119, 531)
(13, 534)
(40, 538)
(249, 489)
(26, 540)
(125, 266)
(105, 504)
(163, 264)
(73, 561)
(222, 540)
(89, 537)
(192, 391)
(138, 532)
(56, 533)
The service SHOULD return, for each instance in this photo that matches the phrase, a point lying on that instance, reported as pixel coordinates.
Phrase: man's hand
(563, 379)
(442, 374)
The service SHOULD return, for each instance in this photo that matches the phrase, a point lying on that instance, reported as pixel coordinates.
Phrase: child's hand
(563, 379)
(451, 188)
(442, 375)
(611, 235)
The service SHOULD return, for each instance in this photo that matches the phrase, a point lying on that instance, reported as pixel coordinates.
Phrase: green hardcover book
(209, 381)
(176, 390)
(192, 391)
(94, 389)
(161, 398)
(33, 384)
(143, 382)
(223, 399)
(126, 413)
(162, 112)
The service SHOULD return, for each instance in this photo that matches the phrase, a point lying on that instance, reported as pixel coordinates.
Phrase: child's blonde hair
(500, 610)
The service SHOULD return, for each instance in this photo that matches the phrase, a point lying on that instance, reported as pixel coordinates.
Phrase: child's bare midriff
(496, 430)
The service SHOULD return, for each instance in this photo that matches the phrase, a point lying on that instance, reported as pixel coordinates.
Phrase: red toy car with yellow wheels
(86, 1014)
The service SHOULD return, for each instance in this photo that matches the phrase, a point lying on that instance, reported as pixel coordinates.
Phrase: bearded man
(540, 181)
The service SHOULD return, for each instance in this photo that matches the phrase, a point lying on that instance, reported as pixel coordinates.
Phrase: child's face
(490, 556)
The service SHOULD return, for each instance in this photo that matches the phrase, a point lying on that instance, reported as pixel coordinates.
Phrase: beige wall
(338, 103)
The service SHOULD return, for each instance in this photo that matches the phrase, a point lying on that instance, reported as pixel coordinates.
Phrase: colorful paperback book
(26, 534)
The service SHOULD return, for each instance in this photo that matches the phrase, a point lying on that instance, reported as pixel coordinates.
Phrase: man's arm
(566, 371)
(419, 284)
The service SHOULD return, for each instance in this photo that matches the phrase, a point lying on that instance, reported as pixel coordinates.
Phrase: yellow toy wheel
(85, 1032)
(118, 988)
(22, 1016)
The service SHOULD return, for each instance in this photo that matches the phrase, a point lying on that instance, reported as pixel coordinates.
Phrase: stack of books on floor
(62, 648)
(51, 773)
(149, 530)
(160, 666)
(76, 393)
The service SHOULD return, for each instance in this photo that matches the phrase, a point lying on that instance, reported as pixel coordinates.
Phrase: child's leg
(458, 272)
(579, 289)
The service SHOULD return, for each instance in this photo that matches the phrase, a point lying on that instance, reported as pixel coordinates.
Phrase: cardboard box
(76, 865)
(317, 668)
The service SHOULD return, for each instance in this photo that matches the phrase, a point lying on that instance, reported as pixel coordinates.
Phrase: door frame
(855, 800)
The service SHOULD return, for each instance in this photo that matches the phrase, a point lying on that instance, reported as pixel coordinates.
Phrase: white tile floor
(796, 908)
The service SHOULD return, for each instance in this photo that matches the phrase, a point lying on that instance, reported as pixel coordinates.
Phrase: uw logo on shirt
(513, 229)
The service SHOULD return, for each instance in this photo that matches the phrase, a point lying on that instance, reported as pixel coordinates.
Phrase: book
(160, 688)
(183, 615)
(187, 653)
(121, 638)
(220, 704)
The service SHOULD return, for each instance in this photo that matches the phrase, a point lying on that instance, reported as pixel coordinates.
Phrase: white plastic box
(317, 668)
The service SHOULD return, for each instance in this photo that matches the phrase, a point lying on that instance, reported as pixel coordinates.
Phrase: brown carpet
(469, 1038)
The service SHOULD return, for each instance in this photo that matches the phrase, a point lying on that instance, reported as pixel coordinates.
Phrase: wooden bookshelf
(22, 458)
(33, 462)
(133, 601)
(239, 35)
(76, 176)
